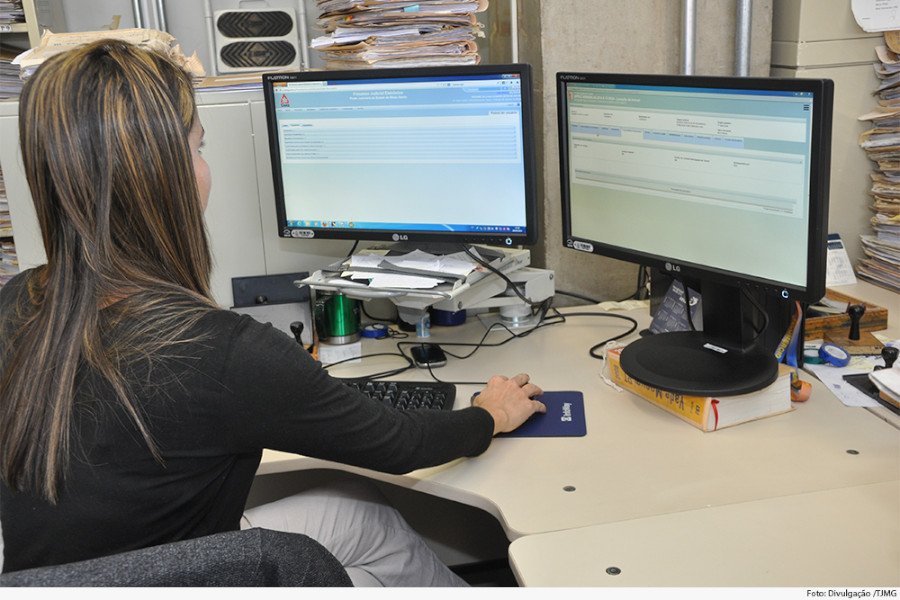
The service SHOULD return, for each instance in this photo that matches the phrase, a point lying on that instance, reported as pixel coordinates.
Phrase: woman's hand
(508, 400)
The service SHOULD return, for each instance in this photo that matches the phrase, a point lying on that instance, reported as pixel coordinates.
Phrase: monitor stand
(682, 362)
(443, 248)
(722, 360)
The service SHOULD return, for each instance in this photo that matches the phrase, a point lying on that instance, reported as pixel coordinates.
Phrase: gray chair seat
(253, 557)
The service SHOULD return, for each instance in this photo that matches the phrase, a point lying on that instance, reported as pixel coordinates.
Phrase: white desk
(835, 538)
(638, 463)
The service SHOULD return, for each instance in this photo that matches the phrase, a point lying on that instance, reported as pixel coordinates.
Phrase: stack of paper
(888, 383)
(11, 12)
(881, 264)
(149, 39)
(9, 263)
(363, 34)
(10, 84)
(5, 222)
(414, 270)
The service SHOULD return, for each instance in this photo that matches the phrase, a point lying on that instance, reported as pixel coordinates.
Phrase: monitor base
(683, 362)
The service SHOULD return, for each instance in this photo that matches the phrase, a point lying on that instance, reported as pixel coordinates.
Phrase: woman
(133, 410)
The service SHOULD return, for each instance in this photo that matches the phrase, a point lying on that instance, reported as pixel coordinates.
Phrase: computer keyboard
(407, 395)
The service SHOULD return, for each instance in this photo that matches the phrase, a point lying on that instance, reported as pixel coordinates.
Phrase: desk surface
(636, 461)
(835, 538)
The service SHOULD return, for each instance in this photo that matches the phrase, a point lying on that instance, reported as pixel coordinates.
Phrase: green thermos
(336, 318)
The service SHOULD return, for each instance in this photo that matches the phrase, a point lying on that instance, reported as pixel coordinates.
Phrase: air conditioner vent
(256, 40)
(255, 24)
(258, 54)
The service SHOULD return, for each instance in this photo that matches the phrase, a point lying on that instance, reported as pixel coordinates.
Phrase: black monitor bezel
(822, 90)
(528, 238)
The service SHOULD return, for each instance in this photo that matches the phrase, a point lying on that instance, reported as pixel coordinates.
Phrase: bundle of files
(148, 39)
(881, 264)
(10, 84)
(9, 262)
(361, 34)
(5, 221)
(11, 12)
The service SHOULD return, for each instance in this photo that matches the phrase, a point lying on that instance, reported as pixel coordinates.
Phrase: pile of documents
(150, 39)
(10, 84)
(414, 270)
(5, 221)
(9, 262)
(11, 12)
(362, 34)
(881, 264)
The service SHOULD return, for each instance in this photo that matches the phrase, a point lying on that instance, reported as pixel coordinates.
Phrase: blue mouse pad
(564, 417)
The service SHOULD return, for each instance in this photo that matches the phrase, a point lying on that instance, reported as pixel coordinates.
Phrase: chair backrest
(252, 557)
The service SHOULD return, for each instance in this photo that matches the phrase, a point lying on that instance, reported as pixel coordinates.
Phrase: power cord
(497, 272)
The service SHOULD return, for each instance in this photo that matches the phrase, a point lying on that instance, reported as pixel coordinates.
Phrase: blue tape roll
(834, 355)
(378, 330)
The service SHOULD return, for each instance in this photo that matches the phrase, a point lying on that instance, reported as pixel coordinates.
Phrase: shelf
(30, 27)
(14, 28)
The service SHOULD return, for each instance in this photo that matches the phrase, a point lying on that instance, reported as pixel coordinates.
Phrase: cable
(643, 282)
(687, 303)
(496, 271)
(544, 308)
(593, 350)
(762, 311)
(558, 318)
(390, 320)
(390, 373)
(642, 278)
(759, 308)
(578, 296)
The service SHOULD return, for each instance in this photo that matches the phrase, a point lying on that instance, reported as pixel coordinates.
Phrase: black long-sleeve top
(211, 410)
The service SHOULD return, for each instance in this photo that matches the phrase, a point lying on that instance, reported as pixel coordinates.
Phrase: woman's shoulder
(240, 346)
(244, 329)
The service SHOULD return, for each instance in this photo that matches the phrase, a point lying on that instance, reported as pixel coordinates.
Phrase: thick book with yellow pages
(711, 413)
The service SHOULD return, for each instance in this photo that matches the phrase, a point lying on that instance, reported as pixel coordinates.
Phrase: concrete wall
(641, 36)
(554, 35)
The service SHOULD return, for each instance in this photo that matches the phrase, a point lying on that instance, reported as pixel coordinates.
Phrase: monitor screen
(719, 181)
(441, 154)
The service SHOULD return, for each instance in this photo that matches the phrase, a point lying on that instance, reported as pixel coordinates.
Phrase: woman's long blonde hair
(104, 138)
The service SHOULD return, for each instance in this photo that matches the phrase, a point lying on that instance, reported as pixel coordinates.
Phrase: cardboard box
(874, 319)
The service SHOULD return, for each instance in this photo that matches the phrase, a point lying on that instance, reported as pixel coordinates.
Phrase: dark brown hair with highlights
(104, 139)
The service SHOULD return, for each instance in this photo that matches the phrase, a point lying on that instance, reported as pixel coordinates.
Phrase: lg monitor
(418, 155)
(721, 182)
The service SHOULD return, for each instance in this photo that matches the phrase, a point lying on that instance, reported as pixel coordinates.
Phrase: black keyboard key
(407, 395)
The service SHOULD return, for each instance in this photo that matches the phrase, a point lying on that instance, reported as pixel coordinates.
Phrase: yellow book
(711, 413)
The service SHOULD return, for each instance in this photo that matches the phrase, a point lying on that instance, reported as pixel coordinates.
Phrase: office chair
(248, 558)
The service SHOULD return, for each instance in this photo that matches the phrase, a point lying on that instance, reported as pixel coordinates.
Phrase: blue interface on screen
(413, 153)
